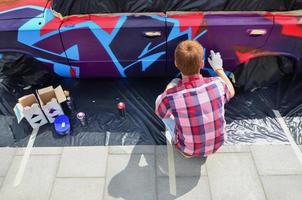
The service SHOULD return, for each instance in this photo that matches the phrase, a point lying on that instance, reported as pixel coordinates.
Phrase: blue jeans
(170, 126)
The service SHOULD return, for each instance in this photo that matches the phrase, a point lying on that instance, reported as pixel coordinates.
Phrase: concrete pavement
(253, 172)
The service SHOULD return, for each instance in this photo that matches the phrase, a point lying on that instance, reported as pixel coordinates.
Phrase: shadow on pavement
(146, 177)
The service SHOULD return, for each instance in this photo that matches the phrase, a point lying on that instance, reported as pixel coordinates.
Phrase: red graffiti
(73, 72)
(107, 23)
(10, 4)
(291, 25)
(245, 54)
(52, 25)
(192, 20)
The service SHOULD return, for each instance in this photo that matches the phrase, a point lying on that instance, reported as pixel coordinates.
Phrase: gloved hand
(215, 61)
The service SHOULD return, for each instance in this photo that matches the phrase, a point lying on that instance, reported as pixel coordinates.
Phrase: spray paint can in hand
(121, 109)
(82, 117)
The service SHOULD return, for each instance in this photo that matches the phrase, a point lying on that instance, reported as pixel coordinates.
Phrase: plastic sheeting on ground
(249, 114)
(98, 99)
(250, 117)
(74, 7)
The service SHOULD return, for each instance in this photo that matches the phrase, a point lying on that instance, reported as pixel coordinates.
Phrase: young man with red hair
(193, 108)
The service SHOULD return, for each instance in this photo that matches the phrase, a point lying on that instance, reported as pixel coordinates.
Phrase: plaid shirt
(197, 104)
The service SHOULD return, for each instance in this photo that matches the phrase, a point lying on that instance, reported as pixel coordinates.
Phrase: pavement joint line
(210, 188)
(57, 171)
(183, 176)
(25, 158)
(171, 164)
(286, 130)
(247, 152)
(258, 174)
(156, 173)
(285, 175)
(81, 177)
(39, 155)
(106, 174)
(268, 144)
(135, 153)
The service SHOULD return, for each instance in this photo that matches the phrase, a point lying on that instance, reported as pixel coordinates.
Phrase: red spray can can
(121, 109)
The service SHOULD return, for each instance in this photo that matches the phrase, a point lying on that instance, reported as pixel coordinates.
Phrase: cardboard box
(29, 108)
(50, 100)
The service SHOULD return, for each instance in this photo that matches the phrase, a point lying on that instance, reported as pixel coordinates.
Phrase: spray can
(121, 109)
(62, 125)
(68, 100)
(82, 117)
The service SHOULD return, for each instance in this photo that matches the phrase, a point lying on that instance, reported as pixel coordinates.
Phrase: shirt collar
(191, 78)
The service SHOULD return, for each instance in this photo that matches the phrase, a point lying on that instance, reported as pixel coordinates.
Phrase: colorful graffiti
(137, 45)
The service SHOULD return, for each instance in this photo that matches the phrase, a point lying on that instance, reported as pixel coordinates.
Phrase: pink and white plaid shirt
(197, 104)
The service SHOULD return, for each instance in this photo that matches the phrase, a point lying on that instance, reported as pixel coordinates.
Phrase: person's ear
(202, 64)
(175, 64)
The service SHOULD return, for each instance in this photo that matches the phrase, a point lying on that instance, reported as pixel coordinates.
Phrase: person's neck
(187, 76)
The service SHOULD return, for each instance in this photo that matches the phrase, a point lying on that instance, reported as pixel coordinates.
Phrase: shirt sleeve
(226, 90)
(162, 106)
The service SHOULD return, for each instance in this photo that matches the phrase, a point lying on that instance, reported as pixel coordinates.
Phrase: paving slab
(131, 177)
(187, 188)
(37, 180)
(78, 189)
(138, 149)
(41, 151)
(283, 187)
(233, 176)
(183, 166)
(234, 149)
(276, 160)
(83, 162)
(6, 157)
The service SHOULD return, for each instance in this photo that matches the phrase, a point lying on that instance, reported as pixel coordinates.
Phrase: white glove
(215, 61)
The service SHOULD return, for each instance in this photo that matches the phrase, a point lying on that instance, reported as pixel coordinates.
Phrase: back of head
(189, 57)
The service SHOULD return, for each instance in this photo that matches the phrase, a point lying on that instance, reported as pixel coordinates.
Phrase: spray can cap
(121, 105)
(81, 115)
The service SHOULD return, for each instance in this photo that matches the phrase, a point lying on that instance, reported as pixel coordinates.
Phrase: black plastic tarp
(99, 99)
(249, 115)
(254, 121)
(263, 71)
(75, 7)
(263, 85)
(19, 71)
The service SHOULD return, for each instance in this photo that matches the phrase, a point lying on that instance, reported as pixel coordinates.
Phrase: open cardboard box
(29, 108)
(50, 99)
